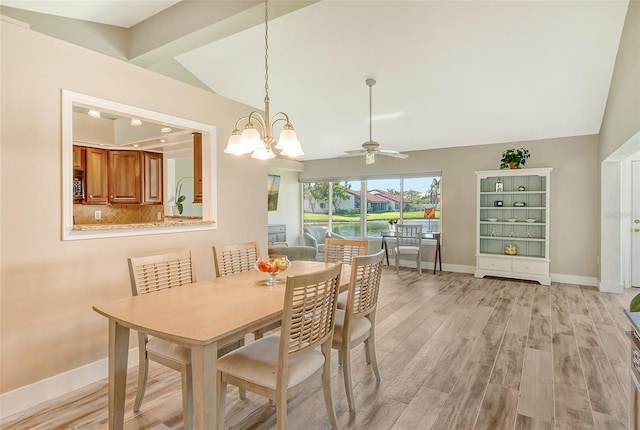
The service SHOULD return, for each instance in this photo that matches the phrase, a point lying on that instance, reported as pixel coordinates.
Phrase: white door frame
(615, 217)
(634, 252)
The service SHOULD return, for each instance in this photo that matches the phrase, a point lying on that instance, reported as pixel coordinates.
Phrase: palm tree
(434, 191)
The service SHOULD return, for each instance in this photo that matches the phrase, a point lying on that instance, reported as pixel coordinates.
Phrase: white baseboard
(574, 279)
(20, 399)
(458, 268)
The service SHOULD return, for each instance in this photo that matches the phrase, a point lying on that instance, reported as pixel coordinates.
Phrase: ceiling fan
(370, 148)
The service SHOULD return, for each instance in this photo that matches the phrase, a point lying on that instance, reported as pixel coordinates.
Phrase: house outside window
(367, 208)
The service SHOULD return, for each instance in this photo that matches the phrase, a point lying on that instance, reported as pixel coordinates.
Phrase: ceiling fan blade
(356, 151)
(394, 154)
(357, 154)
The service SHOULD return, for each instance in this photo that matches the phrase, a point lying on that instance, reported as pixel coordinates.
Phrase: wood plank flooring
(455, 352)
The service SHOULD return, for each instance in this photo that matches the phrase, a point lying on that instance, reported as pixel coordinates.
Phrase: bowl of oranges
(272, 266)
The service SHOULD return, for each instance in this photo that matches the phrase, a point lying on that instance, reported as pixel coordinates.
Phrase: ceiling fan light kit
(370, 148)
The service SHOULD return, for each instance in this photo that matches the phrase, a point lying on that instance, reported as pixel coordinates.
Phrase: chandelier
(261, 143)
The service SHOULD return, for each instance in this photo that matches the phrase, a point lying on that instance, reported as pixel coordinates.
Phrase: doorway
(619, 264)
(635, 226)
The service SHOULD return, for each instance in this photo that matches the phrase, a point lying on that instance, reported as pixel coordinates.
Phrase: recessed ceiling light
(135, 145)
(135, 121)
(94, 113)
(163, 140)
(165, 129)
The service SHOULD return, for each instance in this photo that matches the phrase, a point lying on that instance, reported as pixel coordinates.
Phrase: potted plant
(514, 158)
(179, 196)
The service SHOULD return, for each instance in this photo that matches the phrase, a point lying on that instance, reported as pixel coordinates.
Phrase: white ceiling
(121, 13)
(449, 73)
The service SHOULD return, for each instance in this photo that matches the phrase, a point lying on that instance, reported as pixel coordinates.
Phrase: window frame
(364, 182)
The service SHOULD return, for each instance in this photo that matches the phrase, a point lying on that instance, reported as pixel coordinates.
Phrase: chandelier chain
(266, 50)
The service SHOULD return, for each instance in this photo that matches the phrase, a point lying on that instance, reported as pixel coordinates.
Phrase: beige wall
(622, 114)
(49, 286)
(574, 194)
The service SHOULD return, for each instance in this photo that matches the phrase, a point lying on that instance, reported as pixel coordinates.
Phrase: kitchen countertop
(168, 222)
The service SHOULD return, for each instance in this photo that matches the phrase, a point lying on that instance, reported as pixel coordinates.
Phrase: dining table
(201, 315)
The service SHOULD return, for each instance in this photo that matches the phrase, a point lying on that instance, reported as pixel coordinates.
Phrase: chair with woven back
(154, 273)
(343, 250)
(278, 365)
(148, 275)
(357, 322)
(409, 242)
(236, 258)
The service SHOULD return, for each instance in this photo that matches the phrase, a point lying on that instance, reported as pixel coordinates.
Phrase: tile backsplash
(117, 214)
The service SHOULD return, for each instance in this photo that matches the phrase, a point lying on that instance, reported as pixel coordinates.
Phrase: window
(350, 208)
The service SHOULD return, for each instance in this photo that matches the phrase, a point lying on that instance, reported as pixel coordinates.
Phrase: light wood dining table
(202, 316)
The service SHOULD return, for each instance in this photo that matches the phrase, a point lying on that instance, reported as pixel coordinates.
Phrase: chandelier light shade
(257, 137)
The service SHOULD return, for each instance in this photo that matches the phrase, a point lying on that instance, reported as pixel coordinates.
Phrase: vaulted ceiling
(449, 73)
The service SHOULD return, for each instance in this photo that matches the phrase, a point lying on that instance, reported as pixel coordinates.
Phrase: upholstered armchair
(293, 253)
(315, 236)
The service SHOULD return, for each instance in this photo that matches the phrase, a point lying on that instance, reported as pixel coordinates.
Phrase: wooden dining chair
(357, 322)
(279, 365)
(235, 258)
(343, 250)
(408, 242)
(148, 275)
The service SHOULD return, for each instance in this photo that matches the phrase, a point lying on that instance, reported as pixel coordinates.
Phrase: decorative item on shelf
(514, 158)
(251, 140)
(510, 249)
(493, 232)
(519, 204)
(492, 219)
(272, 266)
(528, 235)
(521, 188)
(499, 186)
(512, 234)
(529, 220)
(497, 203)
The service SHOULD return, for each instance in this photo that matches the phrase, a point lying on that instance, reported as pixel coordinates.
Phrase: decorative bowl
(511, 219)
(529, 220)
(272, 266)
(492, 219)
(510, 250)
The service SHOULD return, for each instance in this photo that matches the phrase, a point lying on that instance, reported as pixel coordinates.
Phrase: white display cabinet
(512, 235)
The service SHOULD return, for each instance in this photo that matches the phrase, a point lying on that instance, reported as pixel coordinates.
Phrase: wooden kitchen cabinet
(152, 183)
(197, 167)
(124, 177)
(78, 157)
(96, 176)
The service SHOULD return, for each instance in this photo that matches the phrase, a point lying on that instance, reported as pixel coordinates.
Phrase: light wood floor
(454, 351)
